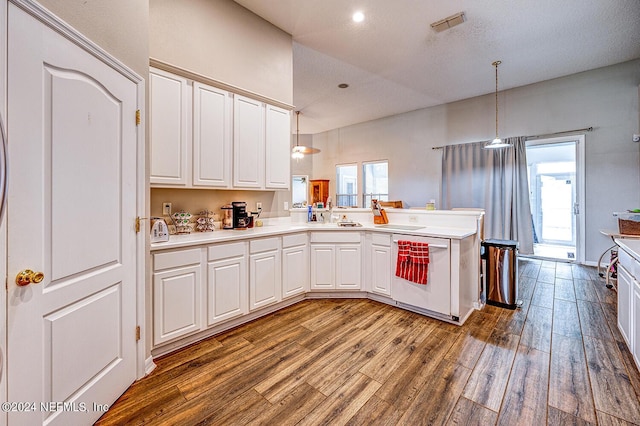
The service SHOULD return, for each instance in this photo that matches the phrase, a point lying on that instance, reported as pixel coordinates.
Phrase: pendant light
(299, 151)
(497, 142)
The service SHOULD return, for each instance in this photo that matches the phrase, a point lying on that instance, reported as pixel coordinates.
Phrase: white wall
(224, 41)
(606, 99)
(118, 26)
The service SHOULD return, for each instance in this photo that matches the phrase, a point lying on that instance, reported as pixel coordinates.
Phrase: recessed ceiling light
(358, 17)
(343, 85)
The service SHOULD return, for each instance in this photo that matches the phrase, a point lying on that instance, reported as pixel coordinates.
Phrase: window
(375, 182)
(299, 191)
(347, 185)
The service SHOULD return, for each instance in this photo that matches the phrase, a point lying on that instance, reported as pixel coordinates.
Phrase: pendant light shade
(298, 152)
(497, 142)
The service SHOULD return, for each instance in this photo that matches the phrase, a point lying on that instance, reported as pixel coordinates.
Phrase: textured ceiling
(394, 62)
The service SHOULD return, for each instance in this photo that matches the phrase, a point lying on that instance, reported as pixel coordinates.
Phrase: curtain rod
(546, 135)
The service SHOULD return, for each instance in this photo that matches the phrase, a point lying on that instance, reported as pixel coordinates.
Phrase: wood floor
(558, 360)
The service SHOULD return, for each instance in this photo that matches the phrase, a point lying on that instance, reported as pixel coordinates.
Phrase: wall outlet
(286, 205)
(166, 209)
(258, 206)
(413, 219)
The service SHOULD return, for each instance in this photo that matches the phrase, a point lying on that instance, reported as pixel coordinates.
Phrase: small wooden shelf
(318, 191)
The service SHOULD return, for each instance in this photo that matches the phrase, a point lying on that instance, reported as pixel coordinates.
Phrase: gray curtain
(495, 180)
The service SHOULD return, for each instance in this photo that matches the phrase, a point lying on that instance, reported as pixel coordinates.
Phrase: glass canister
(227, 216)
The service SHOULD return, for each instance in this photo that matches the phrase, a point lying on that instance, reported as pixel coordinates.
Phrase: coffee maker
(240, 216)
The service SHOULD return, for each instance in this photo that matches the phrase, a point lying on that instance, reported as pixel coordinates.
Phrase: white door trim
(143, 364)
(580, 187)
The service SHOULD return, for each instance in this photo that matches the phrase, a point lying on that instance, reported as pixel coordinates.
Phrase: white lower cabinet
(323, 267)
(336, 260)
(636, 329)
(625, 303)
(226, 282)
(378, 278)
(176, 294)
(348, 267)
(295, 265)
(629, 300)
(265, 273)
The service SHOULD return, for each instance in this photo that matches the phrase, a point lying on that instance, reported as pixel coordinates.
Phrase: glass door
(555, 183)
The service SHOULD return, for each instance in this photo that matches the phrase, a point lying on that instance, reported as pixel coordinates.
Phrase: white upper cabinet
(212, 120)
(205, 137)
(169, 128)
(248, 143)
(278, 148)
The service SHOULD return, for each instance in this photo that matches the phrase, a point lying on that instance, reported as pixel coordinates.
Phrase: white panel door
(348, 267)
(323, 267)
(211, 136)
(226, 289)
(635, 328)
(278, 148)
(295, 270)
(71, 210)
(265, 279)
(169, 128)
(625, 305)
(176, 303)
(248, 143)
(381, 269)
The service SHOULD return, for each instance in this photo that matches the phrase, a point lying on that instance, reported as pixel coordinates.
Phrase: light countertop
(632, 246)
(219, 236)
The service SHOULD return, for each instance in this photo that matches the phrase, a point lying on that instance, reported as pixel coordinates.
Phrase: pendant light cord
(495, 64)
(297, 128)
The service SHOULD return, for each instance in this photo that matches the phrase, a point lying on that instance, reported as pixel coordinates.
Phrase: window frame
(366, 197)
(351, 196)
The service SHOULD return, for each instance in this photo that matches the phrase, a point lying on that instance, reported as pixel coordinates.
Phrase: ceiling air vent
(448, 22)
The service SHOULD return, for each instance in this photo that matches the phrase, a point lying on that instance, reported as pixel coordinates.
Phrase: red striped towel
(419, 255)
(413, 261)
(403, 264)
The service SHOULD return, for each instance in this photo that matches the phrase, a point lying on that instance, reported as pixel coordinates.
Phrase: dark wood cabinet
(319, 191)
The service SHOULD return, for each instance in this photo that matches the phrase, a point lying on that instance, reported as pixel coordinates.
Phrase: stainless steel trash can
(500, 271)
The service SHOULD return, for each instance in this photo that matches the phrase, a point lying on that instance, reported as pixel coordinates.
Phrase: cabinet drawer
(294, 240)
(335, 237)
(630, 264)
(174, 259)
(265, 244)
(381, 239)
(223, 251)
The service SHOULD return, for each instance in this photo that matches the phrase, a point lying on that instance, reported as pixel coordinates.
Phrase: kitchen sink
(401, 227)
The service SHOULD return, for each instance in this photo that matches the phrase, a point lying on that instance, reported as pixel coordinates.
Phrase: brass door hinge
(138, 118)
(138, 220)
(137, 333)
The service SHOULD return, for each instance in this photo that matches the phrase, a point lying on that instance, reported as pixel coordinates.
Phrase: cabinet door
(265, 279)
(278, 148)
(169, 128)
(381, 269)
(211, 136)
(635, 347)
(295, 270)
(323, 267)
(248, 143)
(625, 294)
(176, 303)
(348, 267)
(226, 289)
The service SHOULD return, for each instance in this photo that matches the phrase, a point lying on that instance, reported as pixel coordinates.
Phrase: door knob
(27, 277)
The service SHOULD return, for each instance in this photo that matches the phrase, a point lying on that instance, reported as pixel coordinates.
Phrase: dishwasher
(435, 296)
